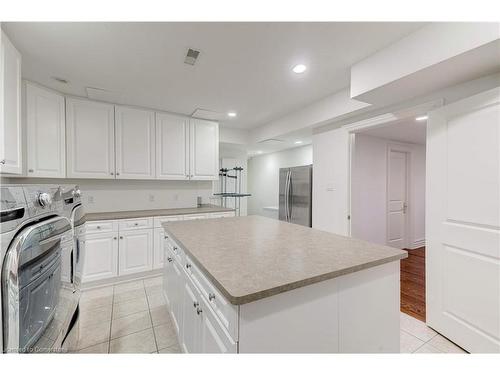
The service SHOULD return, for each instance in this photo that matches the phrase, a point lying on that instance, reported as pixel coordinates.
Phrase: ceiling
(407, 130)
(242, 67)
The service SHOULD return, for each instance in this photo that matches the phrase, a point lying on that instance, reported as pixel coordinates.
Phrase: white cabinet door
(172, 151)
(213, 337)
(463, 222)
(90, 139)
(101, 256)
(204, 150)
(136, 251)
(46, 135)
(191, 318)
(135, 143)
(158, 248)
(10, 108)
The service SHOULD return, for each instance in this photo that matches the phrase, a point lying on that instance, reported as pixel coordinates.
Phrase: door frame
(397, 147)
(373, 123)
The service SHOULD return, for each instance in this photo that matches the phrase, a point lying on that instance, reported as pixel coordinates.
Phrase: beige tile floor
(126, 318)
(133, 318)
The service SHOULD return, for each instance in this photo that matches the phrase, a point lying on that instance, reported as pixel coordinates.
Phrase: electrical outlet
(151, 198)
(90, 199)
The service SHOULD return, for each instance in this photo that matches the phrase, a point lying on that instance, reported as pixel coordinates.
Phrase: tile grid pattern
(133, 318)
(127, 318)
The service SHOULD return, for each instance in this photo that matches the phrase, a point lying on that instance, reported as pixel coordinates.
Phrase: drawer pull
(211, 296)
(199, 311)
(121, 237)
(136, 224)
(98, 227)
(196, 304)
(165, 237)
(169, 259)
(188, 266)
(114, 238)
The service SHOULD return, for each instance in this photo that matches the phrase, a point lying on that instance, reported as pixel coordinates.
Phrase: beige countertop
(118, 215)
(253, 257)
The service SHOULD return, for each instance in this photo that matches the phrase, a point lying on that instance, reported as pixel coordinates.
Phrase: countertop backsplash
(126, 195)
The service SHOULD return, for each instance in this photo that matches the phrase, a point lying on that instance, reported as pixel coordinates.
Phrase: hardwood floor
(413, 284)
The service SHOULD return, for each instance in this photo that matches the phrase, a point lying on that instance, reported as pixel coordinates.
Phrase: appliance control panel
(42, 199)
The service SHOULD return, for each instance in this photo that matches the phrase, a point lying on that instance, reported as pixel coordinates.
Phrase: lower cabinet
(135, 251)
(198, 328)
(158, 250)
(101, 256)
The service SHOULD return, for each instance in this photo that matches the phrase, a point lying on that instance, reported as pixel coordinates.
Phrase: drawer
(195, 216)
(224, 310)
(100, 226)
(143, 223)
(177, 252)
(158, 220)
(217, 215)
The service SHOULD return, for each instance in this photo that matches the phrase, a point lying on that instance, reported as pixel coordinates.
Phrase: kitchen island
(253, 284)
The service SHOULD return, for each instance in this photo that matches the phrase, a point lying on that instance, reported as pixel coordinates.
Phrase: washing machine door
(33, 295)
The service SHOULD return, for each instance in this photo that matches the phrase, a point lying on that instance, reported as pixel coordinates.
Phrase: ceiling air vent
(271, 141)
(191, 56)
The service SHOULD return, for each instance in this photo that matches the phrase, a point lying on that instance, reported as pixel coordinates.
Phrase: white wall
(263, 177)
(123, 195)
(369, 190)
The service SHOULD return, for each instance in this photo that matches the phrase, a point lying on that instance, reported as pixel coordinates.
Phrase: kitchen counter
(252, 257)
(118, 215)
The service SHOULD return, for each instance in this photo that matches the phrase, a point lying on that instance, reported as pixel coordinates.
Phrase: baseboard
(120, 279)
(417, 243)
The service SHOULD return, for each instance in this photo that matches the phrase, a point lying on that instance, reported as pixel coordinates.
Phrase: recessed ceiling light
(298, 142)
(231, 114)
(259, 152)
(299, 68)
(421, 118)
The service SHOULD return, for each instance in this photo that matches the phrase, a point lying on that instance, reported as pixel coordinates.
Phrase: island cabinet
(321, 294)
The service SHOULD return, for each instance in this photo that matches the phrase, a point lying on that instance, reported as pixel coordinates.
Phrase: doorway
(388, 198)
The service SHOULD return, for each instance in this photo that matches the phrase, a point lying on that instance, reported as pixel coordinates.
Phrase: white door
(191, 319)
(90, 139)
(397, 198)
(136, 251)
(135, 143)
(172, 147)
(101, 256)
(463, 222)
(10, 108)
(46, 134)
(158, 248)
(204, 150)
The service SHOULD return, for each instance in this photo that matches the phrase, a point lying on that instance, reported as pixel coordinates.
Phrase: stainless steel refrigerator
(295, 200)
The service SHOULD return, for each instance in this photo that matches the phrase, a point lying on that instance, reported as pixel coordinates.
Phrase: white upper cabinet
(45, 133)
(172, 147)
(90, 139)
(10, 108)
(204, 150)
(135, 143)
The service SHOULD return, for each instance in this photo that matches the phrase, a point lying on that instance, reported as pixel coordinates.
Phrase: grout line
(151, 318)
(111, 324)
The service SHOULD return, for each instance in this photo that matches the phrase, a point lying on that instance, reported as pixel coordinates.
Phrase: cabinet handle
(175, 248)
(199, 311)
(2, 161)
(196, 304)
(169, 259)
(117, 173)
(111, 173)
(98, 227)
(188, 265)
(165, 237)
(211, 296)
(121, 237)
(30, 170)
(114, 238)
(136, 224)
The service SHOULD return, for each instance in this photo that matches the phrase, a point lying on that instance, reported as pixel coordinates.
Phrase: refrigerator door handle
(290, 203)
(286, 196)
(289, 187)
